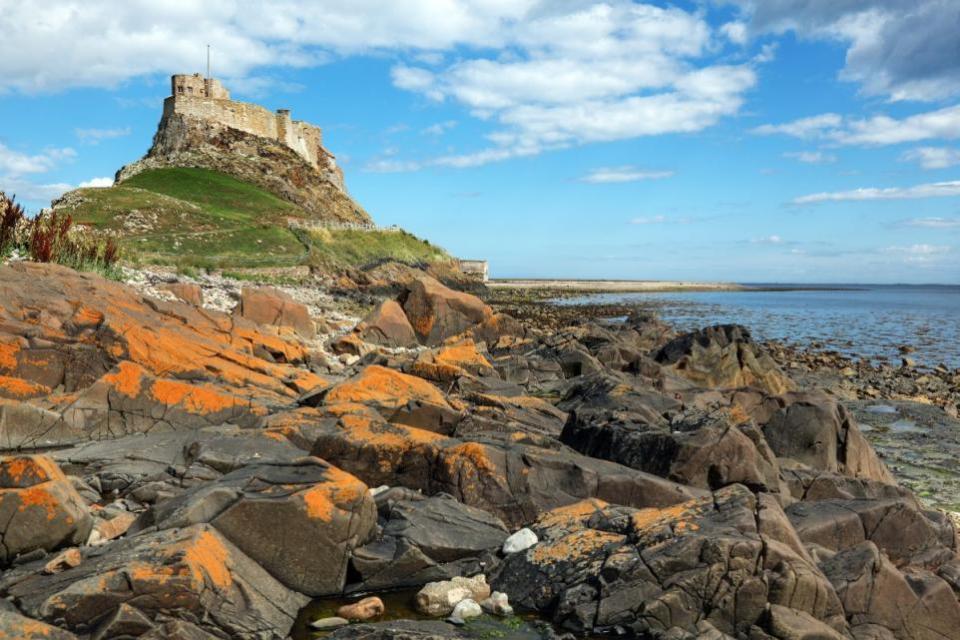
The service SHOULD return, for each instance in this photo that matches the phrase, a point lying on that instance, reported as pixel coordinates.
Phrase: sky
(732, 140)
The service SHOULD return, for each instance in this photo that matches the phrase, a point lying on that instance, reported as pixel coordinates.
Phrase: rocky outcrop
(324, 512)
(584, 474)
(39, 508)
(266, 305)
(192, 573)
(187, 141)
(711, 565)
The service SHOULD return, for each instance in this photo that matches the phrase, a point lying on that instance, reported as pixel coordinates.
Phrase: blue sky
(787, 141)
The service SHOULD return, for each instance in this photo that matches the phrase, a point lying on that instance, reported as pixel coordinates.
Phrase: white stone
(520, 541)
(466, 608)
(440, 598)
(497, 604)
(329, 623)
(375, 491)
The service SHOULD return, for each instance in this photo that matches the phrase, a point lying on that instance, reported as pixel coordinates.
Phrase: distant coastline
(645, 286)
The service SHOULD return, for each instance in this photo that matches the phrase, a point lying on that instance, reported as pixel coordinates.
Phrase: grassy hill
(200, 218)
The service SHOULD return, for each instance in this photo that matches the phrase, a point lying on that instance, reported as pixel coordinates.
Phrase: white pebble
(520, 541)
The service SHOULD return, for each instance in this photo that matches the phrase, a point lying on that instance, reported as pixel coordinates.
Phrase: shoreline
(644, 286)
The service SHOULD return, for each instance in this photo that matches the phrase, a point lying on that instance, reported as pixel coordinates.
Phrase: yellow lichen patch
(143, 572)
(384, 387)
(340, 491)
(738, 415)
(463, 355)
(676, 516)
(127, 379)
(572, 513)
(8, 355)
(575, 545)
(383, 434)
(470, 454)
(18, 388)
(192, 398)
(206, 555)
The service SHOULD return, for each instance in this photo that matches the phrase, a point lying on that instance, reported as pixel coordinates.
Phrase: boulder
(664, 572)
(426, 540)
(451, 361)
(17, 627)
(398, 397)
(191, 574)
(363, 610)
(298, 520)
(723, 357)
(880, 601)
(39, 508)
(401, 629)
(437, 312)
(387, 325)
(269, 306)
(817, 431)
(186, 292)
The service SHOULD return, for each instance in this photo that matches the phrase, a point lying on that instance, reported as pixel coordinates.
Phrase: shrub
(52, 237)
(11, 218)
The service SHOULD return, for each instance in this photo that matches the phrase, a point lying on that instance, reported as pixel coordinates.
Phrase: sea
(869, 321)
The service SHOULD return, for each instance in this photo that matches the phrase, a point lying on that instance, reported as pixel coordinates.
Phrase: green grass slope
(195, 217)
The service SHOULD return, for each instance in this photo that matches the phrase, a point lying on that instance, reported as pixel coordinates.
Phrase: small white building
(478, 268)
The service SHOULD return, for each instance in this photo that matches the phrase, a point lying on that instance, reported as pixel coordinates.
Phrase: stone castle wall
(199, 97)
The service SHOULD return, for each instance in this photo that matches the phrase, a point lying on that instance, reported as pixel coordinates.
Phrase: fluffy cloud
(97, 182)
(811, 157)
(933, 223)
(875, 131)
(16, 163)
(623, 174)
(93, 136)
(901, 49)
(933, 157)
(932, 190)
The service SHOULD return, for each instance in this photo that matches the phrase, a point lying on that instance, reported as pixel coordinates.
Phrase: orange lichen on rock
(17, 388)
(38, 496)
(575, 545)
(384, 434)
(27, 471)
(384, 387)
(206, 555)
(469, 454)
(192, 398)
(127, 379)
(677, 516)
(85, 317)
(340, 491)
(8, 355)
(573, 513)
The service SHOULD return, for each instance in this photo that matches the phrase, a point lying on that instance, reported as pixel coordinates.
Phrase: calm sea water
(861, 320)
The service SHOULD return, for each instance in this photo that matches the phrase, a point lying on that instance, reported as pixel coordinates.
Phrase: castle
(206, 98)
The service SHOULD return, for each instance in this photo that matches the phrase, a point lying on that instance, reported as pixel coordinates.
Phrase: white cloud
(623, 174)
(93, 136)
(933, 223)
(811, 157)
(919, 253)
(934, 157)
(812, 127)
(650, 220)
(439, 128)
(97, 182)
(773, 239)
(932, 190)
(17, 163)
(875, 131)
(390, 165)
(902, 49)
(735, 32)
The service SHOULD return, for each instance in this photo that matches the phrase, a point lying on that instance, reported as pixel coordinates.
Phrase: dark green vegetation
(194, 217)
(52, 237)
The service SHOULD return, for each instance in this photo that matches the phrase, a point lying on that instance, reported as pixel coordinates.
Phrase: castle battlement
(207, 99)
